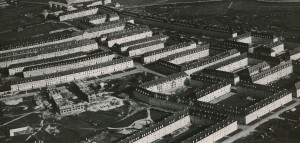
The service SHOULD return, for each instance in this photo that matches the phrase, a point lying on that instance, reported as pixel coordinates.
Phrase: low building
(20, 131)
(66, 106)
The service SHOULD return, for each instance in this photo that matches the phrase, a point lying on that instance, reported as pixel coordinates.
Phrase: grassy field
(157, 115)
(128, 121)
(39, 29)
(14, 17)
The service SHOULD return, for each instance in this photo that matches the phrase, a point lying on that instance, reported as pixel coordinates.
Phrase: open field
(281, 18)
(39, 29)
(157, 115)
(19, 16)
(128, 121)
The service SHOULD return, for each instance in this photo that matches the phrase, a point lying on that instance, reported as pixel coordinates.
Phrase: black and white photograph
(149, 71)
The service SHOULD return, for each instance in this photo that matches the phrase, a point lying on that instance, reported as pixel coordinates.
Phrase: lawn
(128, 121)
(157, 115)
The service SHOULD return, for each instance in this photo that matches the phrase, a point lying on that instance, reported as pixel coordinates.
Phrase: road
(248, 129)
(19, 118)
(228, 7)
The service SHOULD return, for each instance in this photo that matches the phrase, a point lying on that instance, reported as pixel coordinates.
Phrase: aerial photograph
(149, 71)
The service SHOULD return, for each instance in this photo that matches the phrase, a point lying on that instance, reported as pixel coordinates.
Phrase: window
(173, 84)
(159, 88)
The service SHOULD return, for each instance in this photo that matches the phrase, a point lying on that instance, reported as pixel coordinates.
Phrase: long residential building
(232, 77)
(198, 65)
(54, 67)
(158, 54)
(77, 13)
(188, 55)
(33, 42)
(51, 51)
(145, 48)
(127, 35)
(273, 74)
(100, 30)
(70, 75)
(256, 37)
(159, 131)
(18, 68)
(124, 46)
(232, 64)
